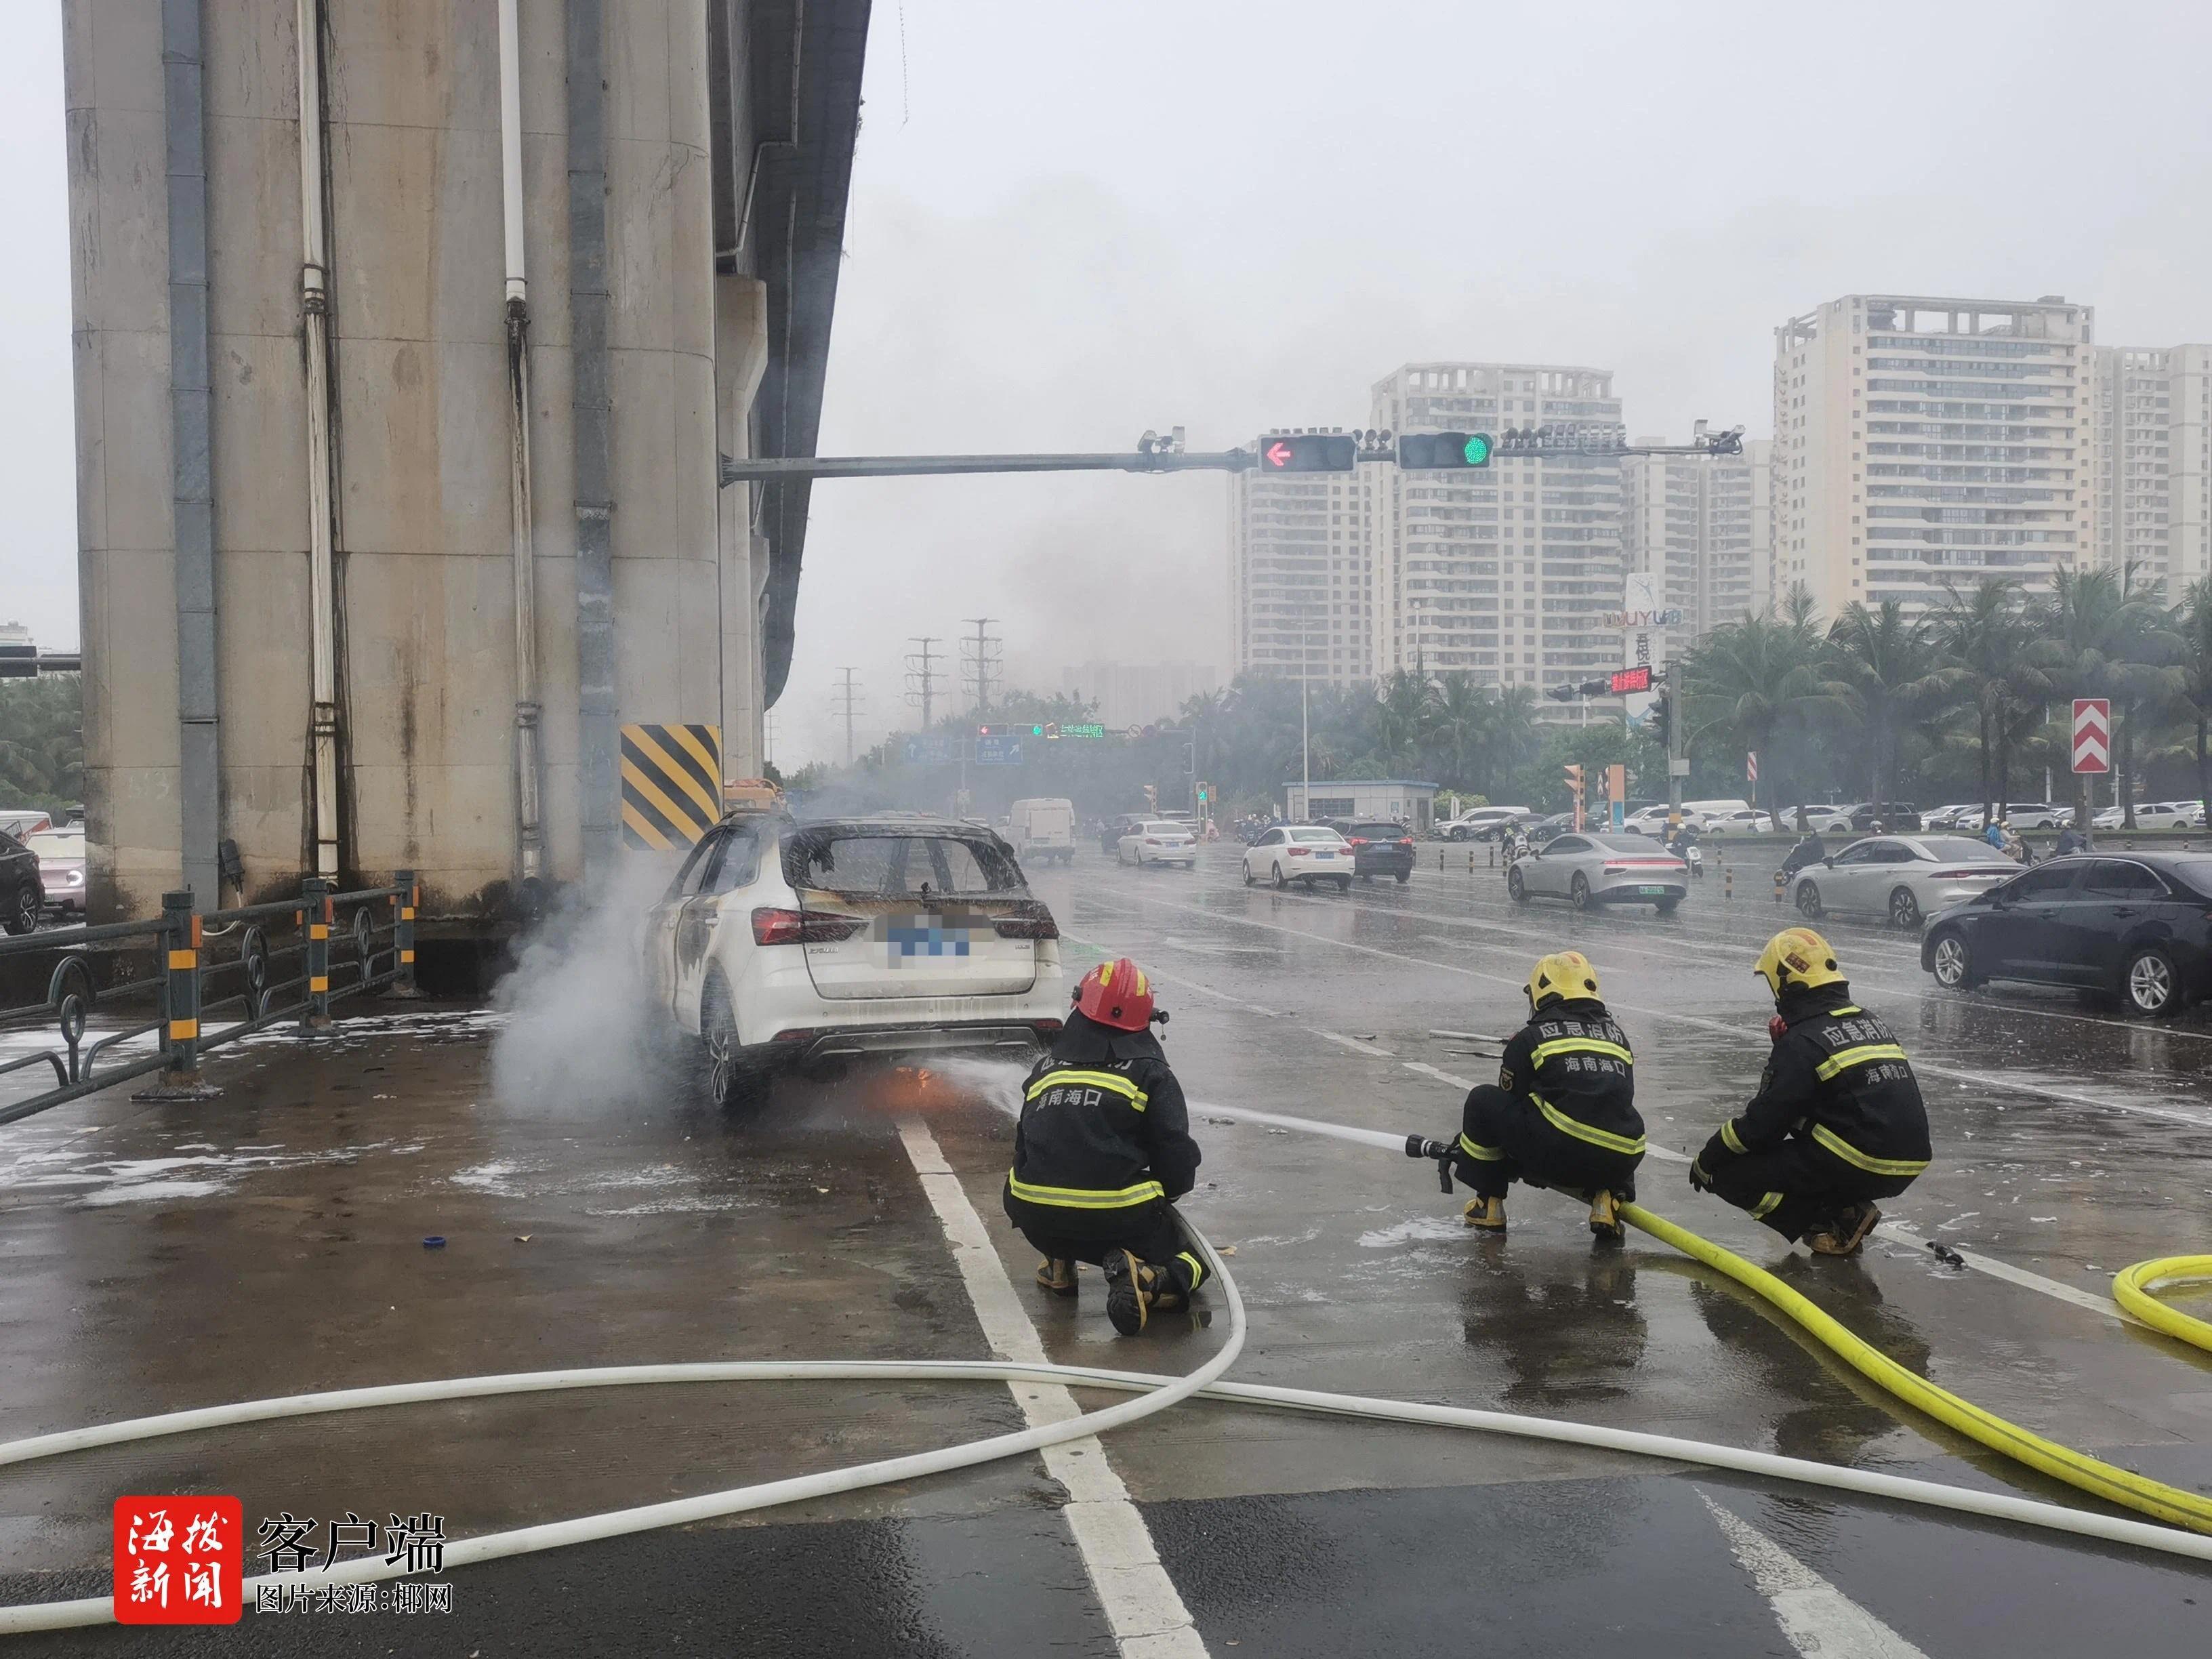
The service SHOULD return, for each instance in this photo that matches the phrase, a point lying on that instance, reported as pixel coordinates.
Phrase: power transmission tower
(981, 661)
(849, 699)
(922, 673)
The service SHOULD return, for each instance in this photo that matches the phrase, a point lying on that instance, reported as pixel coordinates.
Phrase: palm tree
(1981, 634)
(1400, 716)
(1513, 737)
(1887, 661)
(1760, 678)
(1459, 719)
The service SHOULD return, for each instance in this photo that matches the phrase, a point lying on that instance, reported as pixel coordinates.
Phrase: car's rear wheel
(1343, 884)
(1952, 963)
(1282, 876)
(2149, 982)
(1809, 901)
(1666, 907)
(23, 909)
(1578, 891)
(1249, 876)
(735, 1084)
(1515, 886)
(1904, 909)
(1404, 876)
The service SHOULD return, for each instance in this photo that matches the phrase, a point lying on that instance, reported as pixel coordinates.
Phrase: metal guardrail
(260, 964)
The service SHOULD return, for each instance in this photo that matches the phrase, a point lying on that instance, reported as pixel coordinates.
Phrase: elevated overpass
(407, 338)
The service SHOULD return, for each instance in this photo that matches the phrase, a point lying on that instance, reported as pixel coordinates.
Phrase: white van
(1044, 829)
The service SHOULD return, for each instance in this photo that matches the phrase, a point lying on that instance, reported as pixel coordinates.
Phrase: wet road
(270, 1241)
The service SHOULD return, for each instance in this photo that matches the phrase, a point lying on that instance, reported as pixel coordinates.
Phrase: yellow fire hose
(2136, 1289)
(2100, 1479)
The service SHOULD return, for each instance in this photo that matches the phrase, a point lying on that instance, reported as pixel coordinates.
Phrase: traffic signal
(1443, 452)
(1662, 712)
(1575, 779)
(1204, 795)
(1309, 451)
(1152, 800)
(1036, 730)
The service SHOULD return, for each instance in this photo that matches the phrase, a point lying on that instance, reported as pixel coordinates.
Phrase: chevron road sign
(2092, 734)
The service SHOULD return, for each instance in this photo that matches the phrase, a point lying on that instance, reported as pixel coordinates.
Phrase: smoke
(582, 1032)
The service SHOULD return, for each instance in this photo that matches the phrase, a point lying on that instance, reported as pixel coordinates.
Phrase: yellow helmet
(1563, 974)
(1798, 956)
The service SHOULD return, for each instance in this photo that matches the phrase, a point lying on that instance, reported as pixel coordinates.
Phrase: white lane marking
(1352, 1043)
(1737, 1033)
(1820, 1621)
(2012, 1275)
(1148, 1618)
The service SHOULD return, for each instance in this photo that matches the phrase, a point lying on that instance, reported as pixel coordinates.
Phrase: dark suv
(21, 895)
(1896, 817)
(1381, 849)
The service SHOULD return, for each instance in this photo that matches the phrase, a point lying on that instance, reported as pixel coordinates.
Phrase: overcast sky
(1071, 222)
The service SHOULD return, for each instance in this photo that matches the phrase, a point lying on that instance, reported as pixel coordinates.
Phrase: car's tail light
(775, 926)
(1974, 873)
(1030, 920)
(1046, 1028)
(1357, 840)
(1405, 840)
(1297, 851)
(1152, 841)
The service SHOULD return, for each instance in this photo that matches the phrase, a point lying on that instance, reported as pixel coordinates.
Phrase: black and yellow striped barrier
(671, 784)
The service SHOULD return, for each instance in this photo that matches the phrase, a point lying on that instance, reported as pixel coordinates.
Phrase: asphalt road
(270, 1241)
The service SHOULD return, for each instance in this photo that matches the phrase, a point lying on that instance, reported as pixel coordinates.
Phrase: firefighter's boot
(1057, 1276)
(1131, 1285)
(1605, 1219)
(1847, 1233)
(1487, 1213)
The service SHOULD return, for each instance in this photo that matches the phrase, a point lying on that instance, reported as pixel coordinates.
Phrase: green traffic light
(1477, 450)
(1036, 730)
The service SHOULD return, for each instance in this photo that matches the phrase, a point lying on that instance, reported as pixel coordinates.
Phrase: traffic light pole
(735, 470)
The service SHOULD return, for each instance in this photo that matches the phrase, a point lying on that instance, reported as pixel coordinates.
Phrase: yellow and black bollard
(1781, 881)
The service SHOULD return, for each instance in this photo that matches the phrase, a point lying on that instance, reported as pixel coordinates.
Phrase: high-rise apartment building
(2154, 459)
(1503, 572)
(1300, 568)
(1137, 693)
(1698, 525)
(1921, 442)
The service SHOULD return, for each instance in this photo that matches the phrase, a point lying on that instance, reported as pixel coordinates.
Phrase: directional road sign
(2092, 734)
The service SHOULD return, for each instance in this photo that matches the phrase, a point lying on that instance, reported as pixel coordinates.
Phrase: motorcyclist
(1810, 851)
(2014, 847)
(1563, 1111)
(1102, 1150)
(1993, 832)
(1838, 1121)
(2071, 840)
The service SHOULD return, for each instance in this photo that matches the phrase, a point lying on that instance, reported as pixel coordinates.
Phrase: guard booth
(1410, 801)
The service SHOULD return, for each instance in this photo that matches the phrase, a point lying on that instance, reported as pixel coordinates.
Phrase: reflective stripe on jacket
(1839, 1077)
(1573, 1064)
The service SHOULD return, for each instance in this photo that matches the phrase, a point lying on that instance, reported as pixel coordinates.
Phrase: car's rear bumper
(1010, 1039)
(1634, 892)
(1399, 864)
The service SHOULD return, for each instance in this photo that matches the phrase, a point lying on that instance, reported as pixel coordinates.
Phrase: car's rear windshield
(1377, 831)
(1957, 849)
(883, 863)
(2198, 872)
(1629, 844)
(1167, 827)
(1314, 835)
(53, 844)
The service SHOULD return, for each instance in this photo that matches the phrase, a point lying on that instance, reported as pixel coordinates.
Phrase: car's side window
(2050, 882)
(1896, 853)
(739, 866)
(695, 866)
(1859, 853)
(2113, 878)
(1272, 838)
(1562, 845)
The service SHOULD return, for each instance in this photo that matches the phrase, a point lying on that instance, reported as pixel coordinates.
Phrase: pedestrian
(1102, 1150)
(1563, 1111)
(1838, 1121)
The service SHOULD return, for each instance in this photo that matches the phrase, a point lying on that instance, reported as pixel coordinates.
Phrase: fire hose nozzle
(1421, 1147)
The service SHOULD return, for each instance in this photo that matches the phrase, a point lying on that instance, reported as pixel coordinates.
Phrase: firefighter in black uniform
(1563, 1111)
(1838, 1121)
(1102, 1148)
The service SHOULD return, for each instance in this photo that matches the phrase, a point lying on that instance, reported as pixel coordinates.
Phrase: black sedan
(1379, 848)
(21, 895)
(2139, 927)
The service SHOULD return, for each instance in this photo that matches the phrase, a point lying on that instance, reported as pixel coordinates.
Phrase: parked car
(1608, 867)
(1903, 877)
(2139, 926)
(1300, 851)
(2152, 815)
(1827, 820)
(60, 853)
(1158, 841)
(1895, 817)
(1482, 824)
(2035, 815)
(780, 943)
(1043, 830)
(1381, 849)
(1963, 815)
(1745, 823)
(1652, 821)
(1543, 830)
(22, 898)
(21, 821)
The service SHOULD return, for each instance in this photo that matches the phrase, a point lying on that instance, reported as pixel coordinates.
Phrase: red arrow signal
(1279, 454)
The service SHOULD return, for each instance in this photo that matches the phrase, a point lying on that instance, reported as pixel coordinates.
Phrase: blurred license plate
(1324, 855)
(1649, 892)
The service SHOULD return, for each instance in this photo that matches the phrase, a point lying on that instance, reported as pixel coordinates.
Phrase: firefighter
(1102, 1150)
(1838, 1121)
(1563, 1111)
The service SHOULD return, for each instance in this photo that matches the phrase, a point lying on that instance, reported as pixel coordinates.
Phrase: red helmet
(1117, 993)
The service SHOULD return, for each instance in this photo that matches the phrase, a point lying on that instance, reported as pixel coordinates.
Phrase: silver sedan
(1614, 868)
(1903, 877)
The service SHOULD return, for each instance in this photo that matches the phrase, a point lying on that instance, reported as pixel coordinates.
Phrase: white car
(1822, 820)
(1903, 877)
(780, 943)
(2037, 815)
(1744, 823)
(1158, 841)
(1652, 821)
(1482, 824)
(2154, 815)
(1966, 815)
(1296, 852)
